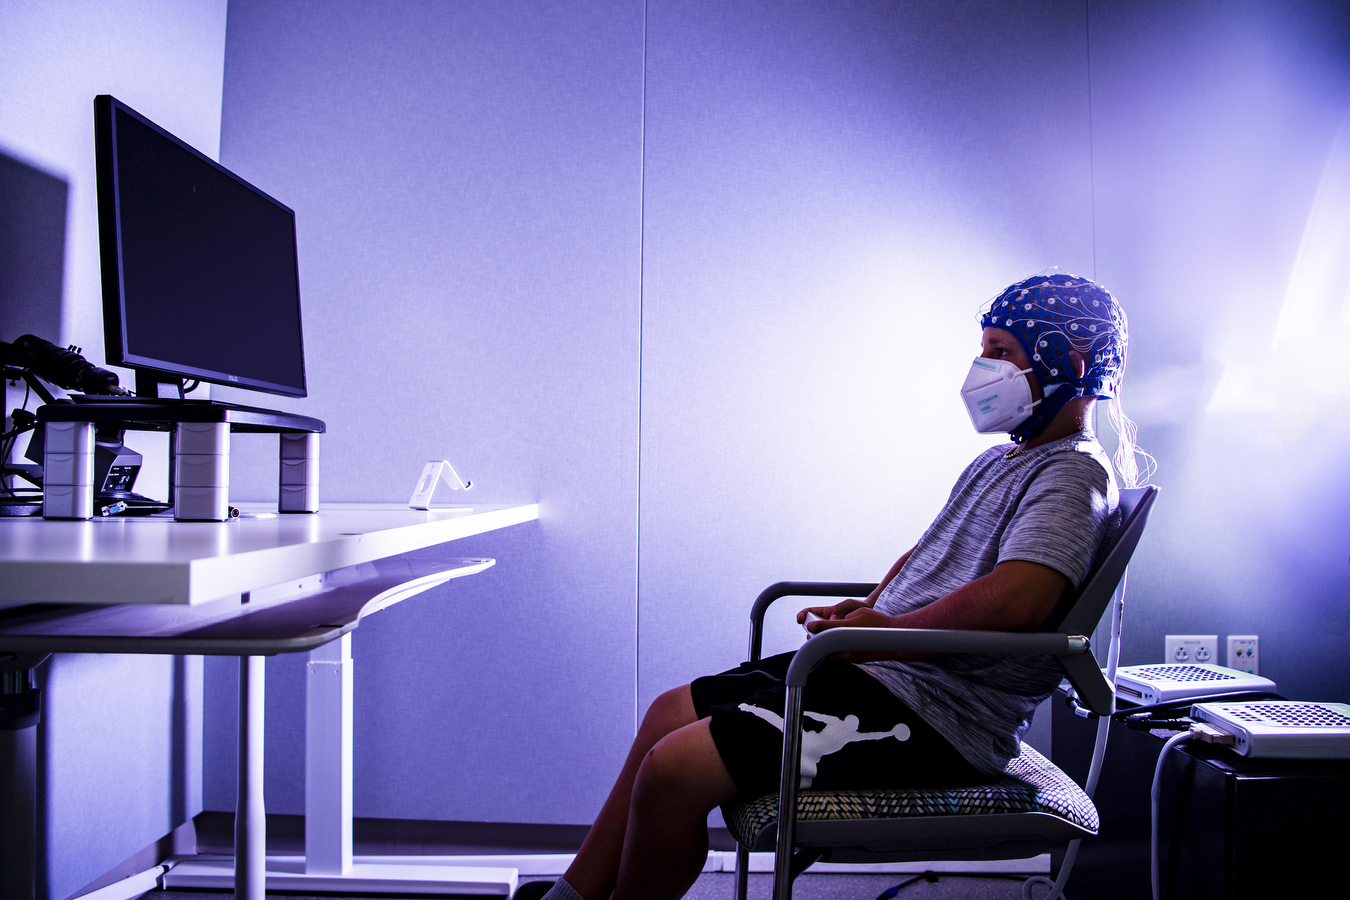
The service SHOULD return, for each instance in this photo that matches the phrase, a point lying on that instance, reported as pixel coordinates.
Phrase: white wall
(827, 194)
(1222, 164)
(467, 186)
(120, 751)
(832, 192)
(482, 231)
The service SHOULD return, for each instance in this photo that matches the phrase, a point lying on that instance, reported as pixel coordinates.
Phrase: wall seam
(1092, 142)
(642, 285)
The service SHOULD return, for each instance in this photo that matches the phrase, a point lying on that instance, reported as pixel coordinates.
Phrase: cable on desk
(1134, 713)
(23, 421)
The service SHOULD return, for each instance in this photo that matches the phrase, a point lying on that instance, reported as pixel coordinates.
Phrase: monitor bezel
(116, 353)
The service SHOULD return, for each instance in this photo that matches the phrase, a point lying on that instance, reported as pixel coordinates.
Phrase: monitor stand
(199, 451)
(148, 382)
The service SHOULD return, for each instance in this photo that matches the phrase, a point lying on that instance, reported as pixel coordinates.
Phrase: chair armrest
(1072, 652)
(807, 589)
(929, 640)
(797, 589)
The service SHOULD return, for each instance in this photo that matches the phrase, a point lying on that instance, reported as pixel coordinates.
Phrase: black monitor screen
(199, 267)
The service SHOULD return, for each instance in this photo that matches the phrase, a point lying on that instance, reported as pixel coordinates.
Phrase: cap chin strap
(1048, 407)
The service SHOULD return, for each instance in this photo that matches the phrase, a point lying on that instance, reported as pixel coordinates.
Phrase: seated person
(1021, 527)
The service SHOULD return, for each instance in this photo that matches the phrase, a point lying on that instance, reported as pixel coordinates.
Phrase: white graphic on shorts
(835, 736)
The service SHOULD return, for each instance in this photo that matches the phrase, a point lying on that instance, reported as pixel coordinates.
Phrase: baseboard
(544, 864)
(182, 841)
(535, 850)
(129, 887)
(413, 837)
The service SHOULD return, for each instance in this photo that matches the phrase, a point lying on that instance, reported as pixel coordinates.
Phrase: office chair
(1021, 814)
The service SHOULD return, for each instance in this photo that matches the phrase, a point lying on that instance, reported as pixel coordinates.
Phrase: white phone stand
(435, 473)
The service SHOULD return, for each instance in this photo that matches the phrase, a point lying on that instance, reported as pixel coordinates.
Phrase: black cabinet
(1231, 827)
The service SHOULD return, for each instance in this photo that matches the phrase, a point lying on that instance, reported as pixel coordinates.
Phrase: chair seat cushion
(1030, 784)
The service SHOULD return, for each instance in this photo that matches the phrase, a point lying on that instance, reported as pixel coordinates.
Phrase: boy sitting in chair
(1020, 528)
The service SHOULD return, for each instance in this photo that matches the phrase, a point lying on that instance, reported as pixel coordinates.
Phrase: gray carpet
(721, 885)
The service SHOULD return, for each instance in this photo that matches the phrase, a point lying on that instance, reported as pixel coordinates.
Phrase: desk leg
(250, 818)
(328, 759)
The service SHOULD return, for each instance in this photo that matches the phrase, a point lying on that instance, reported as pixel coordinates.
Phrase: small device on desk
(1282, 729)
(1146, 685)
(435, 473)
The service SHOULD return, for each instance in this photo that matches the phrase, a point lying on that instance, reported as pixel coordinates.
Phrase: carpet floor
(721, 885)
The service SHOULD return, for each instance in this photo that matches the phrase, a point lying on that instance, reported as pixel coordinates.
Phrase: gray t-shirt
(1050, 505)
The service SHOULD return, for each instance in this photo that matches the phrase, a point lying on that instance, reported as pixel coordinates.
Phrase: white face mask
(997, 395)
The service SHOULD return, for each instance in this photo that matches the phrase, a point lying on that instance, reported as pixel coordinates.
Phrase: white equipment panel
(1282, 729)
(1147, 685)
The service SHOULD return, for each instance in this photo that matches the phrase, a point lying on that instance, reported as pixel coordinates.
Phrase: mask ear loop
(1034, 403)
(1055, 398)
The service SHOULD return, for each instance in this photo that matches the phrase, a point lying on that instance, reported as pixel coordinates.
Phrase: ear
(1079, 366)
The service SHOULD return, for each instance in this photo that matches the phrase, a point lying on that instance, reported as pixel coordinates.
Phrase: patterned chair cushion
(1030, 783)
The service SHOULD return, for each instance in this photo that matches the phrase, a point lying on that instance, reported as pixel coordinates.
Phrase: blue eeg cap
(1053, 314)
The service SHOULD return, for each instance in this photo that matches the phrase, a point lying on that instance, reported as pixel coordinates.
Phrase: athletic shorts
(855, 732)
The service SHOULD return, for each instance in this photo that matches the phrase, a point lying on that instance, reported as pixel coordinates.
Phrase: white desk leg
(328, 759)
(250, 817)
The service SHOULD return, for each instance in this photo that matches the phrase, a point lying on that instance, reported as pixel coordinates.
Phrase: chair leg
(742, 871)
(798, 863)
(804, 858)
(782, 877)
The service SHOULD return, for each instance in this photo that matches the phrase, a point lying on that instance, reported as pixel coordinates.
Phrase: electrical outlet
(1192, 648)
(1244, 653)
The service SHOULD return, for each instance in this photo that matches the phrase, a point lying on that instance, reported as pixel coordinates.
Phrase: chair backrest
(1079, 611)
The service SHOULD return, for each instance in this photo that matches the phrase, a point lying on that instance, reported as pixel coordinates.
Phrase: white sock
(561, 890)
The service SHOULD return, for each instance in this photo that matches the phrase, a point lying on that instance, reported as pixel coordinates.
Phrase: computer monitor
(200, 274)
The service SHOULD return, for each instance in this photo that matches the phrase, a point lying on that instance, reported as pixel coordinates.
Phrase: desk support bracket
(328, 758)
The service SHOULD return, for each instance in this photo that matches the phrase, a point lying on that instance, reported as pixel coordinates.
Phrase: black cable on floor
(932, 878)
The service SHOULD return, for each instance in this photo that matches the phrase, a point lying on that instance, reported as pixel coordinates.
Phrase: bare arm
(839, 610)
(1016, 596)
(890, 576)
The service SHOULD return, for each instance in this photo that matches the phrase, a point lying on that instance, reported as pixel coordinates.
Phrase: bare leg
(681, 780)
(596, 867)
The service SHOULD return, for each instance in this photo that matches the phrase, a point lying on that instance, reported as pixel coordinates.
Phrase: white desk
(157, 560)
(186, 580)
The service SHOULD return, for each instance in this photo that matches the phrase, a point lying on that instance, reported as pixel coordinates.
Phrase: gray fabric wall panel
(831, 193)
(120, 760)
(120, 752)
(1223, 170)
(466, 180)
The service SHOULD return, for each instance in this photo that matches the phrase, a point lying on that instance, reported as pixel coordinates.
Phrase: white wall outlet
(1244, 653)
(1192, 648)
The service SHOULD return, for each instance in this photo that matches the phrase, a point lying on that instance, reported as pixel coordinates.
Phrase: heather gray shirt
(1050, 505)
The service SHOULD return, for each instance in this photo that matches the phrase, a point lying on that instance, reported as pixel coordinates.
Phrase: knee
(673, 709)
(665, 774)
(681, 774)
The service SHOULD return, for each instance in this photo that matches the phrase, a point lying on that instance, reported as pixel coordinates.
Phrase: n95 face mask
(997, 395)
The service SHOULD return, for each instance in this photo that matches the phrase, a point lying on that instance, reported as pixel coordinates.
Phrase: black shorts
(855, 732)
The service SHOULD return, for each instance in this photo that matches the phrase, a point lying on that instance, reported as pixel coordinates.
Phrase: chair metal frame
(1064, 636)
